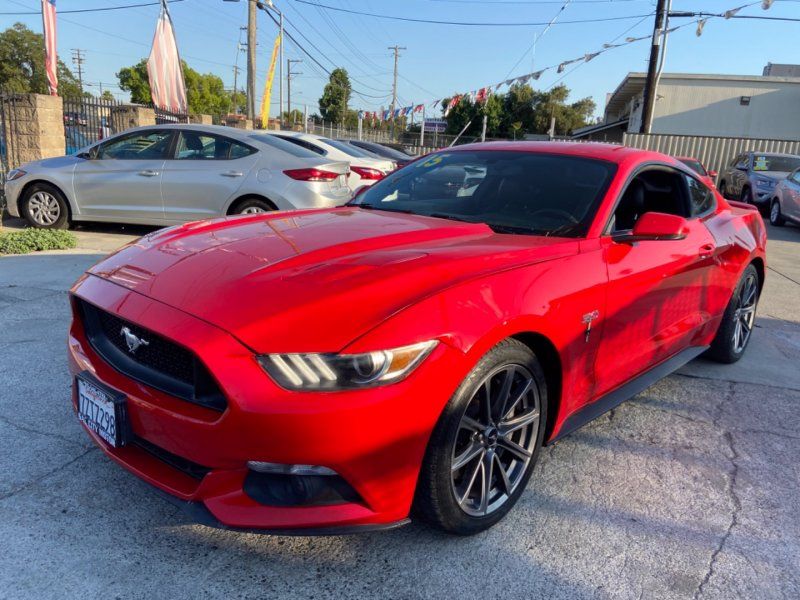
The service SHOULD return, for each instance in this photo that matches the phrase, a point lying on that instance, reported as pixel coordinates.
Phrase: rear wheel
(45, 207)
(738, 321)
(485, 445)
(252, 206)
(775, 215)
(722, 190)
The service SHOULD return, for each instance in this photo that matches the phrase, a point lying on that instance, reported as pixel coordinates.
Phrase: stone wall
(200, 119)
(127, 116)
(34, 127)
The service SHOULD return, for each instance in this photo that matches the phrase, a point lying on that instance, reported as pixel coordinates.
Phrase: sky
(440, 60)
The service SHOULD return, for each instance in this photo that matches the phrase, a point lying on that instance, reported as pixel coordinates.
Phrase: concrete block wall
(127, 116)
(34, 127)
(200, 119)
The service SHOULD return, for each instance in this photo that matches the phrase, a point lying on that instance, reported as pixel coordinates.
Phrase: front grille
(160, 363)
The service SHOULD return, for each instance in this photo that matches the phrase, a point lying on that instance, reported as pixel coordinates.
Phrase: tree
(568, 117)
(106, 95)
(205, 93)
(335, 97)
(518, 108)
(22, 64)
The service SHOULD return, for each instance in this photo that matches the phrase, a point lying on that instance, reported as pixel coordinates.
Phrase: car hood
(314, 280)
(58, 162)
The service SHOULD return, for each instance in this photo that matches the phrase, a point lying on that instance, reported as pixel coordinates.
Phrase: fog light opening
(281, 469)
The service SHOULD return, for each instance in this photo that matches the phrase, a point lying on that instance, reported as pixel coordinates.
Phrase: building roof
(589, 129)
(633, 85)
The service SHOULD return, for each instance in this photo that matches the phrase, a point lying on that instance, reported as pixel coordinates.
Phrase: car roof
(232, 132)
(781, 154)
(597, 150)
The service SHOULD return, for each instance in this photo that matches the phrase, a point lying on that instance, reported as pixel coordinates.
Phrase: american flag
(167, 87)
(50, 55)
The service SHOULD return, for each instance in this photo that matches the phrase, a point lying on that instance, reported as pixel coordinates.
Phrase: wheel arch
(244, 197)
(548, 356)
(70, 208)
(758, 263)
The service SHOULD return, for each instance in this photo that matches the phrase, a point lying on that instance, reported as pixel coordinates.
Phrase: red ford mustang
(341, 369)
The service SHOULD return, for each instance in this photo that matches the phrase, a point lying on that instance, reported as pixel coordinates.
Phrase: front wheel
(775, 215)
(45, 207)
(738, 321)
(485, 445)
(747, 196)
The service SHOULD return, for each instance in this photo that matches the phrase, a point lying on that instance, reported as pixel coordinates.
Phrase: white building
(750, 106)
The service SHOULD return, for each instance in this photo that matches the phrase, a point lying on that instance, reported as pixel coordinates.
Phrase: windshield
(512, 192)
(384, 151)
(348, 148)
(694, 165)
(762, 162)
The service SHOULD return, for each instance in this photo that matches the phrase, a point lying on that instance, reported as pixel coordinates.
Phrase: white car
(169, 174)
(365, 168)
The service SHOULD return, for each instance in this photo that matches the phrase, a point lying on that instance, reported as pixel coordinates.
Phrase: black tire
(775, 215)
(44, 207)
(435, 500)
(725, 348)
(722, 190)
(252, 206)
(747, 195)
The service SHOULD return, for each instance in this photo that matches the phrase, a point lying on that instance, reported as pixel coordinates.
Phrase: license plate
(102, 410)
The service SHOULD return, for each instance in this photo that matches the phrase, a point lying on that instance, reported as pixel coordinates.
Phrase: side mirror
(654, 226)
(713, 174)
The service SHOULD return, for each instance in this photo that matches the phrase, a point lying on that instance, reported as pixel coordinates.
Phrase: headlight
(764, 182)
(15, 174)
(344, 371)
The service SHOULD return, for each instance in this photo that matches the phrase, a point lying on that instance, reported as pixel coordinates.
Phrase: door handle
(232, 174)
(706, 250)
(148, 173)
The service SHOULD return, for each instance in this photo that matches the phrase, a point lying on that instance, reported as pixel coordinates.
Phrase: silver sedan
(785, 203)
(169, 174)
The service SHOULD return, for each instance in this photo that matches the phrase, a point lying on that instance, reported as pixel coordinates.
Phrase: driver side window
(148, 145)
(652, 190)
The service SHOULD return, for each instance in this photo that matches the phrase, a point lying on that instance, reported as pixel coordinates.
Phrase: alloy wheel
(745, 313)
(774, 212)
(44, 208)
(496, 440)
(252, 210)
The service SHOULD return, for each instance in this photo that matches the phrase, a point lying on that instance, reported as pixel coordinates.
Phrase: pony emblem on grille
(133, 341)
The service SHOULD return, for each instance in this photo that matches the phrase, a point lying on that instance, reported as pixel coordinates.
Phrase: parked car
(400, 158)
(415, 348)
(706, 176)
(752, 176)
(75, 119)
(365, 168)
(167, 174)
(785, 203)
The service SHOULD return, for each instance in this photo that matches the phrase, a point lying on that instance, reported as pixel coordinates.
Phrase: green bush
(31, 240)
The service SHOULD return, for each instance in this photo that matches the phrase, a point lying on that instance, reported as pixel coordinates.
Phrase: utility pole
(239, 49)
(78, 58)
(396, 50)
(251, 58)
(289, 75)
(648, 103)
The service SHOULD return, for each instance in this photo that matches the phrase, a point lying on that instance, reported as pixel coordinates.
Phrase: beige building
(750, 106)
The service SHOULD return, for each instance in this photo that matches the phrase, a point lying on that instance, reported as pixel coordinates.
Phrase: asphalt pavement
(689, 490)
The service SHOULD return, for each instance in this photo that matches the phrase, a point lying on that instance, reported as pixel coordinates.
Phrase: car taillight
(311, 175)
(367, 173)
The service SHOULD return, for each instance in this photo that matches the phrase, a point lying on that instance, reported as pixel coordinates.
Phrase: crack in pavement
(717, 380)
(784, 276)
(730, 488)
(46, 475)
(27, 429)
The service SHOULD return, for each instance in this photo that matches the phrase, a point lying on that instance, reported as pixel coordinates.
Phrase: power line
(91, 10)
(466, 23)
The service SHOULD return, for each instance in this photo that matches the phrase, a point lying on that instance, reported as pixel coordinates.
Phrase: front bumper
(374, 439)
(11, 191)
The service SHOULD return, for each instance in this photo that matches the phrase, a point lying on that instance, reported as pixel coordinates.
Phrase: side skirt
(628, 390)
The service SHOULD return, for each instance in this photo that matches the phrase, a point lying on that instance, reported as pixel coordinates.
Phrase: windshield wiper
(437, 215)
(511, 229)
(373, 207)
